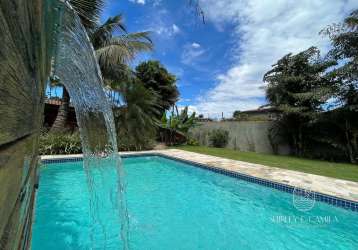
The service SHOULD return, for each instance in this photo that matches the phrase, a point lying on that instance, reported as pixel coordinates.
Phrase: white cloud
(138, 1)
(191, 53)
(175, 29)
(195, 45)
(168, 31)
(156, 2)
(265, 30)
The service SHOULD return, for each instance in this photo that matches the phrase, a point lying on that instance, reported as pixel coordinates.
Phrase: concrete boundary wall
(252, 136)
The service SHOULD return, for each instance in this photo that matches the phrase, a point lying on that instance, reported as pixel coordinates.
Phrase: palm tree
(113, 51)
(137, 116)
(115, 47)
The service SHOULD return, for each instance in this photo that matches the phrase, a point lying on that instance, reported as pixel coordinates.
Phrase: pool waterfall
(77, 69)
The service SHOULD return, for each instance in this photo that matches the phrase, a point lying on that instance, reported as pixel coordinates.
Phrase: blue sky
(220, 64)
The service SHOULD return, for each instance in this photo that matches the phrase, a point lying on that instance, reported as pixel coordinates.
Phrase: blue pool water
(173, 205)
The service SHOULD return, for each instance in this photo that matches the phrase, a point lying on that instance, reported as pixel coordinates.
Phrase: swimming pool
(174, 205)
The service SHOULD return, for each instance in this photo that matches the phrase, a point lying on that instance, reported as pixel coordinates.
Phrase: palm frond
(123, 49)
(116, 74)
(89, 11)
(105, 31)
(113, 54)
(135, 42)
(143, 35)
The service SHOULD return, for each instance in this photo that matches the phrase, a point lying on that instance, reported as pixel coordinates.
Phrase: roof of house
(260, 110)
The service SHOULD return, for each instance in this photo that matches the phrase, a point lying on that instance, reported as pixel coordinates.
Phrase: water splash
(76, 66)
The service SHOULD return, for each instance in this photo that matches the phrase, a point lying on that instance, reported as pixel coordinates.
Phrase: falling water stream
(76, 66)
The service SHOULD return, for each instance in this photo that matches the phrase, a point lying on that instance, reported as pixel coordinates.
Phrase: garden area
(316, 99)
(122, 124)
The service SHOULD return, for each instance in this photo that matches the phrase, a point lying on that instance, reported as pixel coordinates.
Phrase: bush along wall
(60, 143)
(247, 136)
(219, 138)
(70, 143)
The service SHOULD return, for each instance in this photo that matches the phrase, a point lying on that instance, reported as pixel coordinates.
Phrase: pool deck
(326, 185)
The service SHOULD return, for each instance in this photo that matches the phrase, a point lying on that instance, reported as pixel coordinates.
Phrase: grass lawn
(337, 170)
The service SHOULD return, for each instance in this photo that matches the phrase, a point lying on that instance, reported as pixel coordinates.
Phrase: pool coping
(340, 193)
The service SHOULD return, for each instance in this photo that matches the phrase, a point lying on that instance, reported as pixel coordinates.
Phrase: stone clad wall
(25, 35)
(250, 136)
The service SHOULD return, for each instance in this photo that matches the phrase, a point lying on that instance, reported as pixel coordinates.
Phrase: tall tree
(155, 77)
(298, 87)
(344, 39)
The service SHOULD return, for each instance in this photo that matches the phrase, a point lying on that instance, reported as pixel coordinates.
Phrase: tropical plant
(192, 142)
(60, 143)
(218, 138)
(89, 11)
(298, 87)
(156, 77)
(176, 126)
(135, 120)
(114, 48)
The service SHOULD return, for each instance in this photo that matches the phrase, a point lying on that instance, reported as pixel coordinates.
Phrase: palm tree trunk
(62, 114)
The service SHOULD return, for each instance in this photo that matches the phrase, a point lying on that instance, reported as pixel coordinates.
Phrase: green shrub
(129, 142)
(192, 142)
(70, 143)
(218, 138)
(60, 143)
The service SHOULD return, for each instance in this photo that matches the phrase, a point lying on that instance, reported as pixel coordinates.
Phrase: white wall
(243, 135)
